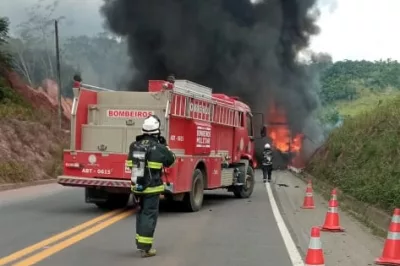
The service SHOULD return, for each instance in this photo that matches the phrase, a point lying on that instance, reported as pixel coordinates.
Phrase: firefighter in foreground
(267, 163)
(147, 157)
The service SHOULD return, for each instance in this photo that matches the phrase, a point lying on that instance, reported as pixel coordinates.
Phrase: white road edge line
(291, 248)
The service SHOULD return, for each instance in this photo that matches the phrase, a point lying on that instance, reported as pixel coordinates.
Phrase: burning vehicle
(287, 146)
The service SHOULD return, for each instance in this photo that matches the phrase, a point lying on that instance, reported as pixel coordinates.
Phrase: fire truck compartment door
(104, 138)
(126, 108)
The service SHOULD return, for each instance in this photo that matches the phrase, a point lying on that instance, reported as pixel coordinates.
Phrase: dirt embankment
(30, 142)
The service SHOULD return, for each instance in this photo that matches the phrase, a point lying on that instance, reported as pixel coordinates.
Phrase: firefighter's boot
(148, 253)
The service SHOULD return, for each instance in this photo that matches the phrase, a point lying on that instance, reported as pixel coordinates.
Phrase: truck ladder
(220, 112)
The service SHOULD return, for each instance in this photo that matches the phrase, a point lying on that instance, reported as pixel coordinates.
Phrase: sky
(350, 29)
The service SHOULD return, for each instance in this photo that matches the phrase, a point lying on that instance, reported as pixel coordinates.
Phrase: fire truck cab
(212, 136)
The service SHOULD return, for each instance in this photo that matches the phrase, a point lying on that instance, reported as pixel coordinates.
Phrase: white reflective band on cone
(334, 197)
(393, 236)
(333, 209)
(396, 219)
(315, 243)
(309, 194)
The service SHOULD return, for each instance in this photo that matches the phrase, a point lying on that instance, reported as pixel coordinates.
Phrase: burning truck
(287, 146)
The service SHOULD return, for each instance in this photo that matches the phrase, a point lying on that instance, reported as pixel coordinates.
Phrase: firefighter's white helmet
(151, 125)
(267, 146)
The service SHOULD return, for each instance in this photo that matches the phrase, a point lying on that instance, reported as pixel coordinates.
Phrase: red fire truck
(211, 134)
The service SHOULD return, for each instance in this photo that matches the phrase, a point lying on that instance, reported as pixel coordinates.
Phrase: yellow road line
(72, 240)
(48, 241)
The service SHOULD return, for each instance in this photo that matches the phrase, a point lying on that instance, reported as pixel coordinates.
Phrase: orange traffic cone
(391, 250)
(332, 221)
(315, 254)
(308, 198)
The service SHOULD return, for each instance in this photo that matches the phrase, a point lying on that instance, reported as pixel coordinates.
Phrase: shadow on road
(210, 200)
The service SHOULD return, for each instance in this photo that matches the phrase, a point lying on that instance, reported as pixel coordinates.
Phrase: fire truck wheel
(114, 201)
(246, 190)
(193, 200)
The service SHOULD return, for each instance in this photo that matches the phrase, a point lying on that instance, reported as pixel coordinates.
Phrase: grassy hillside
(362, 156)
(12, 105)
(367, 100)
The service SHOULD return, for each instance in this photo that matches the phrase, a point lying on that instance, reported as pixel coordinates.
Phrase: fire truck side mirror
(263, 132)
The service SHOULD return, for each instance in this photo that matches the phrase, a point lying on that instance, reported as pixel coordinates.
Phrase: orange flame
(279, 132)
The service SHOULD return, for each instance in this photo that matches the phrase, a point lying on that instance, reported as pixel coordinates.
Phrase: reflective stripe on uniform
(154, 165)
(129, 163)
(315, 243)
(393, 235)
(149, 190)
(144, 239)
(396, 219)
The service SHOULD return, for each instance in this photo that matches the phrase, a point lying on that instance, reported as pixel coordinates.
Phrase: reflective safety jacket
(146, 159)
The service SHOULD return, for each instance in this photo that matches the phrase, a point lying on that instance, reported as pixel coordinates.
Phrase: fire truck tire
(193, 200)
(246, 190)
(114, 201)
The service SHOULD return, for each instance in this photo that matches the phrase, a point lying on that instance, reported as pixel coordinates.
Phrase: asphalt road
(227, 231)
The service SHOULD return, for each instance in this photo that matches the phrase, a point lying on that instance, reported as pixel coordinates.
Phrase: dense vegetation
(361, 157)
(11, 104)
(349, 88)
(343, 80)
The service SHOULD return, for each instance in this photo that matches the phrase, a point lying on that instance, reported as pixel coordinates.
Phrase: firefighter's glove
(162, 140)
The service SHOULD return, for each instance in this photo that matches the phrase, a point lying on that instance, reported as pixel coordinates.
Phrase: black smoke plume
(234, 46)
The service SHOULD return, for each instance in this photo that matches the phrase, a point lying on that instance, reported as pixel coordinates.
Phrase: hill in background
(361, 157)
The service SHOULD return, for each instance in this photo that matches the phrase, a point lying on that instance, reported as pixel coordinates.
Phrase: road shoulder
(11, 186)
(356, 246)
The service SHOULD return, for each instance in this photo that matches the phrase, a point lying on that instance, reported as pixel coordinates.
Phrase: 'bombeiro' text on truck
(211, 134)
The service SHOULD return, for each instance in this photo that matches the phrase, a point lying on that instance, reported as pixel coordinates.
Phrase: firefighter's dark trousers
(267, 172)
(146, 220)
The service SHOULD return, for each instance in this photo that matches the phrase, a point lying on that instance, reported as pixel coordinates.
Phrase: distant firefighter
(266, 164)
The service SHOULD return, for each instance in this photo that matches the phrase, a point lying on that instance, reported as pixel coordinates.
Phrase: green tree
(5, 59)
(344, 79)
